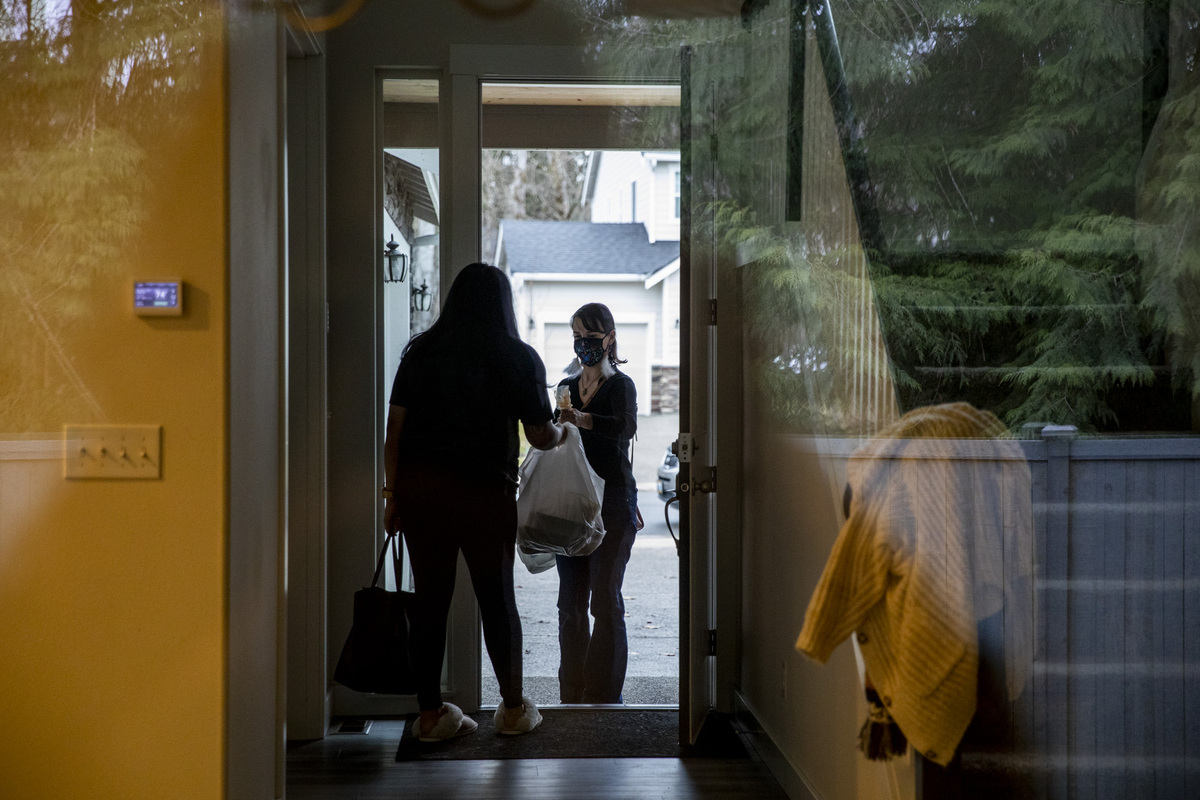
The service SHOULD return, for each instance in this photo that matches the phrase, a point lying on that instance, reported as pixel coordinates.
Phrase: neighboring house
(626, 258)
(632, 186)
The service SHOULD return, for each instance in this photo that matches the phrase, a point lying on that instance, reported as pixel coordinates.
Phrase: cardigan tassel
(880, 738)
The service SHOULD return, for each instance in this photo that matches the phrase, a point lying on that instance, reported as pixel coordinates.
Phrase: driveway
(651, 592)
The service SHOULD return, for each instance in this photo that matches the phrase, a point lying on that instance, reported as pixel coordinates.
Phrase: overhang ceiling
(541, 94)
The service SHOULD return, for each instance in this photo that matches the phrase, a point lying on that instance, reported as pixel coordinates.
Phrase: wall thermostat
(158, 298)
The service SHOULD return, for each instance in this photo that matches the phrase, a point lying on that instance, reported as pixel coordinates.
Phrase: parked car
(668, 468)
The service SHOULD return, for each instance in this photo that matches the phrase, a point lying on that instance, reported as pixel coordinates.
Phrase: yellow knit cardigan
(902, 570)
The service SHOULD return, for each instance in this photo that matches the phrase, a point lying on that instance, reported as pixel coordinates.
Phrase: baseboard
(762, 748)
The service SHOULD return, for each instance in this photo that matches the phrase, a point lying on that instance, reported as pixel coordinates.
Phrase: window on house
(677, 194)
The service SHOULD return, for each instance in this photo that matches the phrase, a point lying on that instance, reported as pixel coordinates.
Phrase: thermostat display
(158, 297)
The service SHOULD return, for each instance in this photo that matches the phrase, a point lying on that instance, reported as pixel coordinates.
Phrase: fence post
(1055, 554)
(1053, 634)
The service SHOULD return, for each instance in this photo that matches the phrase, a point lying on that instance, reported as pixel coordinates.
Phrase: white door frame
(470, 66)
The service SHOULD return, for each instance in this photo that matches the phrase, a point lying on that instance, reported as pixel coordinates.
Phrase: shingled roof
(607, 248)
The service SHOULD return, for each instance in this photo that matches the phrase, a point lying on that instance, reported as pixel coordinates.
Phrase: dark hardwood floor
(363, 767)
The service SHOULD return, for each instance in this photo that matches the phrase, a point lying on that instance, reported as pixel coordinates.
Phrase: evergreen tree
(1030, 170)
(87, 86)
(1005, 142)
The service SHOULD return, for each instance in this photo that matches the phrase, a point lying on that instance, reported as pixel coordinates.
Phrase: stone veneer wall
(664, 389)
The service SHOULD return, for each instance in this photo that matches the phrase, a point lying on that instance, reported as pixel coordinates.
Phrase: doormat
(568, 733)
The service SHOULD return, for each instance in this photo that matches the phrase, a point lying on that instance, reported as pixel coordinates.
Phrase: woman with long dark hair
(604, 408)
(450, 466)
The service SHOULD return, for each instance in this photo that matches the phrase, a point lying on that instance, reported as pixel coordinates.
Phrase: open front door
(695, 672)
(696, 444)
(710, 412)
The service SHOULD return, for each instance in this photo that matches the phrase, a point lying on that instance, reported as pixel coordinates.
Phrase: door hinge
(712, 642)
(712, 311)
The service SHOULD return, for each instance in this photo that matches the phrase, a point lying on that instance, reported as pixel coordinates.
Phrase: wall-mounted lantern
(395, 265)
(421, 298)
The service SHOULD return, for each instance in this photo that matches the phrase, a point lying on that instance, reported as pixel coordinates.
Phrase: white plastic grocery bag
(558, 504)
(536, 562)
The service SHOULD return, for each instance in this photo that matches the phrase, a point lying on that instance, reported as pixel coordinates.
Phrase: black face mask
(590, 351)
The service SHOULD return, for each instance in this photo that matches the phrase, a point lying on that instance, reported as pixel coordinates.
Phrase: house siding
(670, 320)
(664, 222)
(619, 175)
(611, 198)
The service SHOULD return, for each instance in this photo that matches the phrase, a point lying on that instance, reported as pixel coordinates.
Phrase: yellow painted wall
(112, 617)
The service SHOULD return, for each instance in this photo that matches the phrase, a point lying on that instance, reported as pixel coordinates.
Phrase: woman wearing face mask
(604, 408)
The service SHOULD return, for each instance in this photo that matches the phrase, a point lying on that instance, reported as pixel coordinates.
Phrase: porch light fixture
(421, 298)
(392, 260)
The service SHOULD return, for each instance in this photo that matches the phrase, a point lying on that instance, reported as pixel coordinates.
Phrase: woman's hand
(580, 419)
(391, 515)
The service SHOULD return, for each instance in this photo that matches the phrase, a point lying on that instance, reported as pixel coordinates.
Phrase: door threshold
(598, 707)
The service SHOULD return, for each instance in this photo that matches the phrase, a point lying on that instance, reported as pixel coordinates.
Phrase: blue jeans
(593, 663)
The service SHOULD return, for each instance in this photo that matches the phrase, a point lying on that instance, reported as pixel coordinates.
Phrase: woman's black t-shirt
(614, 422)
(463, 408)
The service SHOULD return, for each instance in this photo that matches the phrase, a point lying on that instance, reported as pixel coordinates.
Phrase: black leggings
(442, 515)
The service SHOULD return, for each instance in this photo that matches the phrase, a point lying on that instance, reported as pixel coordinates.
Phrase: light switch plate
(112, 451)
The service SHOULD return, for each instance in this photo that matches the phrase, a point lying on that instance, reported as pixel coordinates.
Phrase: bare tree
(530, 184)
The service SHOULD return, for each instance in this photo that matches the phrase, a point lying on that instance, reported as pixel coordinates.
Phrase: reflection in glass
(92, 92)
(992, 203)
(933, 569)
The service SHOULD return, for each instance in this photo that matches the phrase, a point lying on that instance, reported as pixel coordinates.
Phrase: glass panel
(95, 108)
(411, 225)
(114, 167)
(411, 173)
(990, 206)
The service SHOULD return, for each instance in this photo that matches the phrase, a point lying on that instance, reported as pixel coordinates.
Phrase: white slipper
(527, 722)
(450, 725)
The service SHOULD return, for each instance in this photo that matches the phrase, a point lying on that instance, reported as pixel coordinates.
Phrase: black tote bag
(375, 656)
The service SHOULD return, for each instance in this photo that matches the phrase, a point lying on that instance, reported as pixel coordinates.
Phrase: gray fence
(1115, 706)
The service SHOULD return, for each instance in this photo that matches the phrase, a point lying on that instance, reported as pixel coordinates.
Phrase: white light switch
(112, 451)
